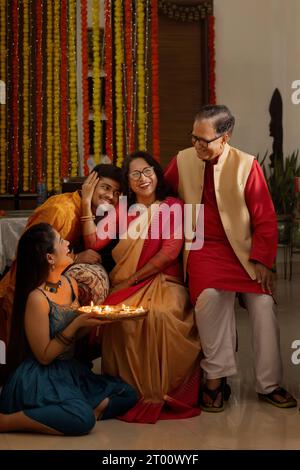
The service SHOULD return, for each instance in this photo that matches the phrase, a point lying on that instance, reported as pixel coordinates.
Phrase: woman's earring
(52, 266)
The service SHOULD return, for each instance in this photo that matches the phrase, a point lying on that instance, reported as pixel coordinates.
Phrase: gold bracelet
(84, 218)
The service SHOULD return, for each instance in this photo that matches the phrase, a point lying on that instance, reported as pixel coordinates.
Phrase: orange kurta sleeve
(63, 213)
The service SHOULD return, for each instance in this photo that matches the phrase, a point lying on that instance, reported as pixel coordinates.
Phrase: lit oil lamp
(114, 311)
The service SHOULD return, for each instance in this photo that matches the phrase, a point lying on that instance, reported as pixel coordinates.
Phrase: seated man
(63, 212)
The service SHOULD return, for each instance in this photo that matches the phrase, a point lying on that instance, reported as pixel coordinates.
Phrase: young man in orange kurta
(63, 212)
(240, 242)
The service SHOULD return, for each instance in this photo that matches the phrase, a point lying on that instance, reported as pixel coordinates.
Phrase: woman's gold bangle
(85, 218)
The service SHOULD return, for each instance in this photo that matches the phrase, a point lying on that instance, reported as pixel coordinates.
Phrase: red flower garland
(64, 131)
(212, 62)
(85, 90)
(32, 89)
(129, 76)
(39, 90)
(155, 81)
(15, 94)
(108, 80)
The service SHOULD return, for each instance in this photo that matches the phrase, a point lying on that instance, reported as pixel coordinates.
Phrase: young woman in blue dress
(46, 389)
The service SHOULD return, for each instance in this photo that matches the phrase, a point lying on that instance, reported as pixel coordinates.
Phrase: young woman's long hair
(162, 189)
(32, 270)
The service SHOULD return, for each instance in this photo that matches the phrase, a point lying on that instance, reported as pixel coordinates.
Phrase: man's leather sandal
(289, 402)
(225, 391)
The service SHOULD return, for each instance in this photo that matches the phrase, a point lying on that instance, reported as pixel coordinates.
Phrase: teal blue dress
(63, 394)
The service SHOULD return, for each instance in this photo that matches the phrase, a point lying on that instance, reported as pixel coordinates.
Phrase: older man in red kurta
(240, 242)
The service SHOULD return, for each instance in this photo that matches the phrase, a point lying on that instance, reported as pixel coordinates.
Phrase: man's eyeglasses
(203, 142)
(136, 174)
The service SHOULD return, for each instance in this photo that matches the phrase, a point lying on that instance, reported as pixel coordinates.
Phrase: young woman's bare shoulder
(37, 300)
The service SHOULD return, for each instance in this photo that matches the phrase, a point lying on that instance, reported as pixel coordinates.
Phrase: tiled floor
(245, 424)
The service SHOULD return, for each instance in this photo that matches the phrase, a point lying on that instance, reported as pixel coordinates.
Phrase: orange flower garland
(15, 95)
(85, 91)
(38, 90)
(72, 88)
(2, 105)
(56, 97)
(108, 80)
(64, 131)
(129, 78)
(119, 81)
(49, 92)
(96, 83)
(155, 81)
(51, 107)
(26, 139)
(141, 115)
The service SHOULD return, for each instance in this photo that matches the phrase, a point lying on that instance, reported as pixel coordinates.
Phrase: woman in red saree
(158, 355)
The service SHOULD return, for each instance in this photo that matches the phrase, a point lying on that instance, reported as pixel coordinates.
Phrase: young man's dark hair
(107, 170)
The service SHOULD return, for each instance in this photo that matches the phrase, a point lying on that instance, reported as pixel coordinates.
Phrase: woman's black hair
(162, 189)
(32, 270)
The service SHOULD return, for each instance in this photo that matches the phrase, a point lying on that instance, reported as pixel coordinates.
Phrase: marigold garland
(64, 131)
(108, 80)
(38, 90)
(58, 122)
(129, 77)
(32, 115)
(3, 55)
(15, 95)
(141, 117)
(49, 92)
(134, 78)
(96, 83)
(146, 66)
(26, 139)
(85, 91)
(155, 81)
(212, 62)
(9, 102)
(56, 97)
(72, 88)
(118, 81)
